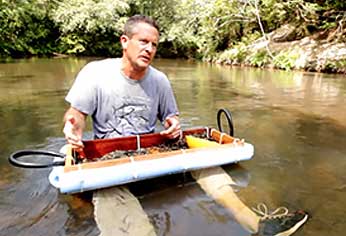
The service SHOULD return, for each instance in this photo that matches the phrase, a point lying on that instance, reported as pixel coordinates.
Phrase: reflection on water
(296, 121)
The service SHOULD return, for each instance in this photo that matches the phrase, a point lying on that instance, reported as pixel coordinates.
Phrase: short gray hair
(134, 20)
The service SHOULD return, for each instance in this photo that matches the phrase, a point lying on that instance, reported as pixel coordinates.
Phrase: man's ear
(124, 41)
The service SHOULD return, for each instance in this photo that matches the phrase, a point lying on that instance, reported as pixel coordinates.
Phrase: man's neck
(130, 71)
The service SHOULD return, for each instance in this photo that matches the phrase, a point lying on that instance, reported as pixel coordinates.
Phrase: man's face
(140, 49)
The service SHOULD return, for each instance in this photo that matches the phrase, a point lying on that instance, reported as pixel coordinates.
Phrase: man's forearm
(79, 117)
(74, 123)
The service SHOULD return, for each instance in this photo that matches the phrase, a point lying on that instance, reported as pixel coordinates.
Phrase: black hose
(229, 120)
(14, 159)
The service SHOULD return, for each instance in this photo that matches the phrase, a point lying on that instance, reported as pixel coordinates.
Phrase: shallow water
(295, 120)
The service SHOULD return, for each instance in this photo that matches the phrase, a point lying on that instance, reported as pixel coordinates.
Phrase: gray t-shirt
(120, 106)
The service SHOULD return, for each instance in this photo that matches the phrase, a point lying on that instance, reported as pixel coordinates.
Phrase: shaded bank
(319, 52)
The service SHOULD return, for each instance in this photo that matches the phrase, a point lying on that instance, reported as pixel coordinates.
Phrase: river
(295, 120)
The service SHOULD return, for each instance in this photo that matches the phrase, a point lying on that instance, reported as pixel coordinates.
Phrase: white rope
(207, 130)
(221, 137)
(138, 143)
(211, 131)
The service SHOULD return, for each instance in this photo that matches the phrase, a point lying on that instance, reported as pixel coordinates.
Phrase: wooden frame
(98, 148)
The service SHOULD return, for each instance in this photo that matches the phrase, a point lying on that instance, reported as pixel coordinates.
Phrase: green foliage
(72, 44)
(286, 60)
(90, 27)
(210, 30)
(259, 58)
(335, 4)
(90, 16)
(335, 66)
(235, 55)
(177, 38)
(207, 27)
(26, 28)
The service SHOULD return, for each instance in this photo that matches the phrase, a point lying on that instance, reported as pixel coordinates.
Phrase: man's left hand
(172, 126)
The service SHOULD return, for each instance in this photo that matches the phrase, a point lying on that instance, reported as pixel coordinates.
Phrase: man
(123, 96)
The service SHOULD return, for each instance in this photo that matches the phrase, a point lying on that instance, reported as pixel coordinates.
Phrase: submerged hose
(14, 159)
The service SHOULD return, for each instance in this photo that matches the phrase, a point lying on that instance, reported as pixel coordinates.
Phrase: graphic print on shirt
(130, 116)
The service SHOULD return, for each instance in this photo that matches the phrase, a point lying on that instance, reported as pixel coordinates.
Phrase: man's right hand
(73, 132)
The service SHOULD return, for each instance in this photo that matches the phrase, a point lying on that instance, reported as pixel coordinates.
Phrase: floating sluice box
(78, 177)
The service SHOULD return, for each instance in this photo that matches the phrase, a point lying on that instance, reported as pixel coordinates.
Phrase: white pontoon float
(84, 171)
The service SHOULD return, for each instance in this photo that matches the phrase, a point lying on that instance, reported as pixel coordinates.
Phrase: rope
(207, 130)
(138, 143)
(221, 138)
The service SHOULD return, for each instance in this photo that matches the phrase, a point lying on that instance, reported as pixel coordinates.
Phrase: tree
(26, 28)
(90, 27)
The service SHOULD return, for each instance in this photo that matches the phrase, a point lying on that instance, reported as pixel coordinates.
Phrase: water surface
(295, 120)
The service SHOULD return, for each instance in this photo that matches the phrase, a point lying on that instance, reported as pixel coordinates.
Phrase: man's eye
(144, 42)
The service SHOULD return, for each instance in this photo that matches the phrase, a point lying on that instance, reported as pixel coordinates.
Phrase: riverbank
(319, 52)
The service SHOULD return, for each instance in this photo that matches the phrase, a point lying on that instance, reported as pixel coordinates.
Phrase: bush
(26, 28)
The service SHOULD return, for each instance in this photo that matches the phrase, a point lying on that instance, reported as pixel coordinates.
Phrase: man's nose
(149, 47)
